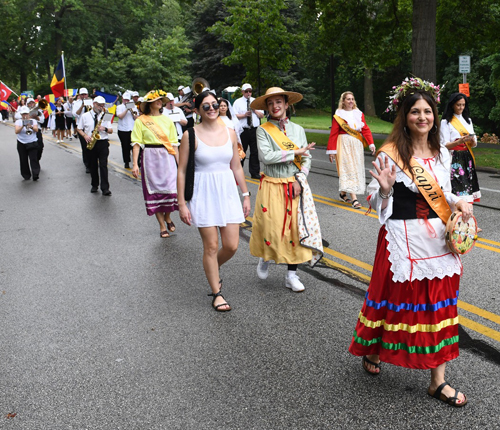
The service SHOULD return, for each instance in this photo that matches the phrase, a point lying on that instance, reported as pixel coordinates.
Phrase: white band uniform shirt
(87, 124)
(22, 136)
(240, 106)
(178, 126)
(127, 122)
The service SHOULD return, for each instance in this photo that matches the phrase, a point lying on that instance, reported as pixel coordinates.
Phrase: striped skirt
(410, 325)
(159, 180)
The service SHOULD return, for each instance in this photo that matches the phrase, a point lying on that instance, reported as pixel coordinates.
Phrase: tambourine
(460, 236)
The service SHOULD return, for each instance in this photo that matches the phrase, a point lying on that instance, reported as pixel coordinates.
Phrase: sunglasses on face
(206, 107)
(248, 91)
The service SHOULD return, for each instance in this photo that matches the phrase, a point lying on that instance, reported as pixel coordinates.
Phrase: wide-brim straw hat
(152, 96)
(261, 102)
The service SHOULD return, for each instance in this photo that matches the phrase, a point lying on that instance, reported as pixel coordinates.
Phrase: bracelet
(385, 196)
(246, 194)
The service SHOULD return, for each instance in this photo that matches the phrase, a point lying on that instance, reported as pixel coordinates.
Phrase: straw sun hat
(152, 96)
(261, 102)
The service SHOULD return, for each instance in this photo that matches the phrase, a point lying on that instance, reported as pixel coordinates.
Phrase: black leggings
(292, 267)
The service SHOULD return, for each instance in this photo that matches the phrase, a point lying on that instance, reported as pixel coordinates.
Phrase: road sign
(464, 89)
(464, 64)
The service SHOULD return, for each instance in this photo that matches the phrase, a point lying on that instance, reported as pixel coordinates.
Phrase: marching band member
(70, 119)
(126, 117)
(79, 108)
(98, 156)
(175, 114)
(186, 106)
(37, 113)
(249, 121)
(27, 144)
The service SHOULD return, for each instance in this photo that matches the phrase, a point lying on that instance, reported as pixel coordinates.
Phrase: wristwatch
(246, 194)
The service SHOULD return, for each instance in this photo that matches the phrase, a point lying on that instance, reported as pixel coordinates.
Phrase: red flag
(5, 91)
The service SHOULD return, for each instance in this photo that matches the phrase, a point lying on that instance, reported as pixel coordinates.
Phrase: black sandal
(215, 295)
(366, 361)
(356, 204)
(452, 401)
(344, 198)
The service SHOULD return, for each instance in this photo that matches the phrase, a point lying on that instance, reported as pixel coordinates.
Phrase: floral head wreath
(411, 86)
(154, 94)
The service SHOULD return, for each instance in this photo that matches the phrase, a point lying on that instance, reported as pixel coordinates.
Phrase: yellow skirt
(275, 233)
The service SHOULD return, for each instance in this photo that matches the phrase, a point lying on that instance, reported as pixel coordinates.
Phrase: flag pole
(13, 92)
(64, 74)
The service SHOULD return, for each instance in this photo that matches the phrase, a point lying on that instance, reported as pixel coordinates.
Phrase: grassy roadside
(320, 120)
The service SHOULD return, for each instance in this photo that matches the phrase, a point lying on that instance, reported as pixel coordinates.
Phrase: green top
(278, 163)
(143, 136)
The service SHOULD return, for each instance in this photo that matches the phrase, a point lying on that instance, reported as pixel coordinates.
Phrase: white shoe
(293, 282)
(263, 269)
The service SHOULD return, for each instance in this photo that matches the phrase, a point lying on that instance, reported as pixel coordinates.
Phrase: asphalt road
(104, 325)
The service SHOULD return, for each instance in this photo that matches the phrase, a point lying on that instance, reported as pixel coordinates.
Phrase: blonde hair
(342, 98)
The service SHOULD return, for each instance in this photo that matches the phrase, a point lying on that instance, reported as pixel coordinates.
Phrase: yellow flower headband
(154, 94)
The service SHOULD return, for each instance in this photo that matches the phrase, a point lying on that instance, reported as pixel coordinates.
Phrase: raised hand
(385, 174)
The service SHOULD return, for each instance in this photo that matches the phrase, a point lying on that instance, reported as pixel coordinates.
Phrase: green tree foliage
(257, 29)
(160, 63)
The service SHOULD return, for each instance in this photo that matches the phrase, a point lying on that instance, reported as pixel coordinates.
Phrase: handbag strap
(188, 190)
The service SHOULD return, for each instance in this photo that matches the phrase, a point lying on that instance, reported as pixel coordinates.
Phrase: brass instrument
(95, 134)
(198, 85)
(42, 104)
(29, 127)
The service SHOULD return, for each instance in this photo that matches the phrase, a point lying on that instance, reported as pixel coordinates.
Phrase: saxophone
(95, 134)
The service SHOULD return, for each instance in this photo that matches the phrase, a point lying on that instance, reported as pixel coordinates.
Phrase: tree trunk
(423, 43)
(369, 101)
(23, 79)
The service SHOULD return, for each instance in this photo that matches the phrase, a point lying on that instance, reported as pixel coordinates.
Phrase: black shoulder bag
(189, 185)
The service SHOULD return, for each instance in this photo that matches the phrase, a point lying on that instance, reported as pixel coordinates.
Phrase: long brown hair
(400, 134)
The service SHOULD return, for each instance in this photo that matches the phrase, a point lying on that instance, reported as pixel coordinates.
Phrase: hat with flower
(152, 96)
(411, 86)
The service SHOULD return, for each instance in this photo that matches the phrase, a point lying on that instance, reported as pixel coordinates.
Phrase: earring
(435, 128)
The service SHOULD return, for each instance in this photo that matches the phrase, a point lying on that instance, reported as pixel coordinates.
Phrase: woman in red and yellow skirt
(409, 316)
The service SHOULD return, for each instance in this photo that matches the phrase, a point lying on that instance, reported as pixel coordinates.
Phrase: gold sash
(154, 128)
(427, 185)
(282, 140)
(455, 122)
(354, 133)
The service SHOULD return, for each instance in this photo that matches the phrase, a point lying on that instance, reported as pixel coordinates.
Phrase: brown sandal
(164, 234)
(171, 226)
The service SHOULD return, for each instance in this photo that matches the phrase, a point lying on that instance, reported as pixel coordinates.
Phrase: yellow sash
(427, 185)
(154, 128)
(282, 140)
(455, 122)
(354, 133)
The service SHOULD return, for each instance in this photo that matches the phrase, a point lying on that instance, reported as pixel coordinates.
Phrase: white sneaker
(263, 269)
(293, 282)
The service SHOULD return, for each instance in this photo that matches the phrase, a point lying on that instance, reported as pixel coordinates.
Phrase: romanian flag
(57, 84)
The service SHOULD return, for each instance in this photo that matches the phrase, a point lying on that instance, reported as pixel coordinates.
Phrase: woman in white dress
(348, 136)
(214, 205)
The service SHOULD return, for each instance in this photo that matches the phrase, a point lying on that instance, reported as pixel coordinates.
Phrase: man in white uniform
(249, 121)
(176, 115)
(126, 118)
(79, 108)
(98, 156)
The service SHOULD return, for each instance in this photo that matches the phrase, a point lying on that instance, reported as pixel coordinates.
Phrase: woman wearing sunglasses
(215, 205)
